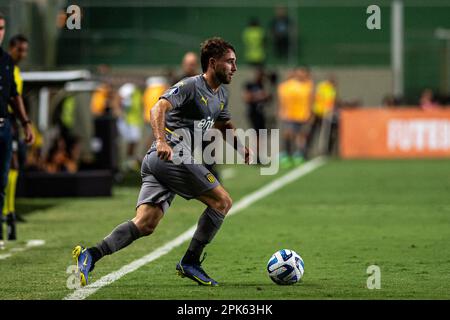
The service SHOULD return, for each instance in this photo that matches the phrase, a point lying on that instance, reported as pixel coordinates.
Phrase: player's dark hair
(213, 48)
(15, 40)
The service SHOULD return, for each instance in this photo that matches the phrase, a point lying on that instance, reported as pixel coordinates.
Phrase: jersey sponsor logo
(210, 177)
(205, 124)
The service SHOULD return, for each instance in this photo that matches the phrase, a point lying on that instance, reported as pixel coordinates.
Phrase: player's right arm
(175, 97)
(157, 121)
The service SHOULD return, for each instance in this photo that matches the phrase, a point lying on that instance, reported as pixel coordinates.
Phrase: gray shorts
(162, 180)
(296, 127)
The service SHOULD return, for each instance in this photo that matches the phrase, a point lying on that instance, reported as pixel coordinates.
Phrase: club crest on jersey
(210, 177)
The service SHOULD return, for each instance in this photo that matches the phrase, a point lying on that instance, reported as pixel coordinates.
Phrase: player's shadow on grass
(26, 208)
(268, 286)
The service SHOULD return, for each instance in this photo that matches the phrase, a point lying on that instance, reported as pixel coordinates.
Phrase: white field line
(82, 293)
(29, 244)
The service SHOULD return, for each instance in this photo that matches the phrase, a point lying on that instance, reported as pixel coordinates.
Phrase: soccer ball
(285, 267)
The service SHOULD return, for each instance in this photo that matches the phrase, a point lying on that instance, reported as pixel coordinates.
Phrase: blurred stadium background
(381, 75)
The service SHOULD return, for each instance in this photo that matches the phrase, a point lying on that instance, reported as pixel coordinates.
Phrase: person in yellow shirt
(294, 111)
(324, 107)
(254, 39)
(155, 87)
(99, 99)
(130, 122)
(18, 50)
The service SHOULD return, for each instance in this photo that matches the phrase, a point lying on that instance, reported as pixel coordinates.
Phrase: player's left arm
(19, 109)
(223, 126)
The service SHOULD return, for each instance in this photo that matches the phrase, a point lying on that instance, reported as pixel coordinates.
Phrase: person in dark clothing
(9, 96)
(256, 98)
(280, 31)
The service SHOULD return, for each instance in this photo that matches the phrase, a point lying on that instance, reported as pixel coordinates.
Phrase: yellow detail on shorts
(172, 133)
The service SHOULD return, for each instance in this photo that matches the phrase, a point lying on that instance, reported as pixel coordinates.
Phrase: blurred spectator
(253, 37)
(100, 99)
(324, 107)
(104, 100)
(189, 66)
(427, 100)
(280, 29)
(34, 160)
(103, 72)
(156, 86)
(64, 117)
(62, 158)
(294, 106)
(171, 75)
(130, 121)
(325, 97)
(389, 101)
(256, 98)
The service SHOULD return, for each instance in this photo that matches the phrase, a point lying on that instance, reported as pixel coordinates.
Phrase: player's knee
(147, 226)
(147, 219)
(224, 204)
(230, 203)
(147, 229)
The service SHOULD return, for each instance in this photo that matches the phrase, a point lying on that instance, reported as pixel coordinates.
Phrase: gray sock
(123, 235)
(209, 223)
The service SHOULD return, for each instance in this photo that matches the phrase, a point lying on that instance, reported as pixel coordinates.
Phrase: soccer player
(192, 104)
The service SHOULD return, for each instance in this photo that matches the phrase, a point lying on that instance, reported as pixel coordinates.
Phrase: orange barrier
(394, 133)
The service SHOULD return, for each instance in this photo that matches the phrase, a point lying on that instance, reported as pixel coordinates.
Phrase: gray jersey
(195, 105)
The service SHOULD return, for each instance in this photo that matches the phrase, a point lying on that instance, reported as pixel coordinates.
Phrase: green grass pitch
(341, 218)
